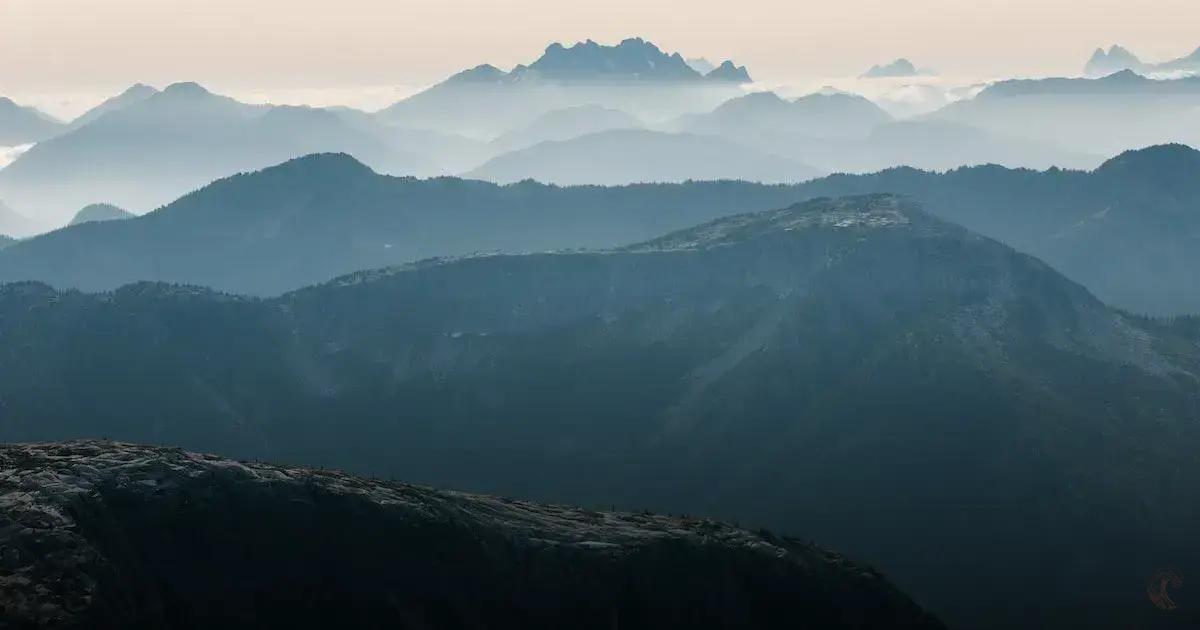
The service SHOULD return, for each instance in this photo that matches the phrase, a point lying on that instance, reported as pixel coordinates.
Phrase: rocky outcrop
(100, 534)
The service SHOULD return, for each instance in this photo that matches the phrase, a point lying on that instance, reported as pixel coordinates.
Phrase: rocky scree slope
(99, 534)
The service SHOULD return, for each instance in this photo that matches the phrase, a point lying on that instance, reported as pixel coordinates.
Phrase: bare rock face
(109, 535)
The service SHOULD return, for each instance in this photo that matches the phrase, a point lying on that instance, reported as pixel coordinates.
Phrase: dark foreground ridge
(100, 534)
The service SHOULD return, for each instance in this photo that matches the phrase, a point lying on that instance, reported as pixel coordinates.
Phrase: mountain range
(144, 149)
(1116, 58)
(1102, 116)
(1126, 230)
(838, 132)
(855, 369)
(634, 76)
(897, 69)
(256, 233)
(813, 116)
(106, 535)
(633, 59)
(617, 278)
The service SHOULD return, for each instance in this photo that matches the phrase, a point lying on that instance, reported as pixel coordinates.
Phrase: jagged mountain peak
(901, 67)
(727, 71)
(632, 58)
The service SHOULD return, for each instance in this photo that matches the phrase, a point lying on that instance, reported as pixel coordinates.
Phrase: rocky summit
(98, 534)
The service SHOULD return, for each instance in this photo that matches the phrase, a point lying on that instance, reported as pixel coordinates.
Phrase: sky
(379, 50)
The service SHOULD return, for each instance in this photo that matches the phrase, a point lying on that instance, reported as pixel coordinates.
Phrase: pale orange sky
(68, 45)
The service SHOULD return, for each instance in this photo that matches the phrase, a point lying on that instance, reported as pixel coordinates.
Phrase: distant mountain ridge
(631, 156)
(899, 68)
(1101, 116)
(634, 76)
(633, 59)
(146, 148)
(842, 132)
(255, 233)
(727, 71)
(813, 116)
(1122, 82)
(1118, 58)
(565, 124)
(133, 94)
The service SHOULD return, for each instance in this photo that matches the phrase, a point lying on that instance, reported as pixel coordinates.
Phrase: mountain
(23, 125)
(626, 156)
(100, 212)
(565, 124)
(1091, 116)
(134, 94)
(1127, 230)
(898, 68)
(634, 76)
(632, 59)
(6, 241)
(841, 132)
(1116, 59)
(124, 536)
(729, 72)
(256, 233)
(855, 369)
(813, 116)
(156, 149)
